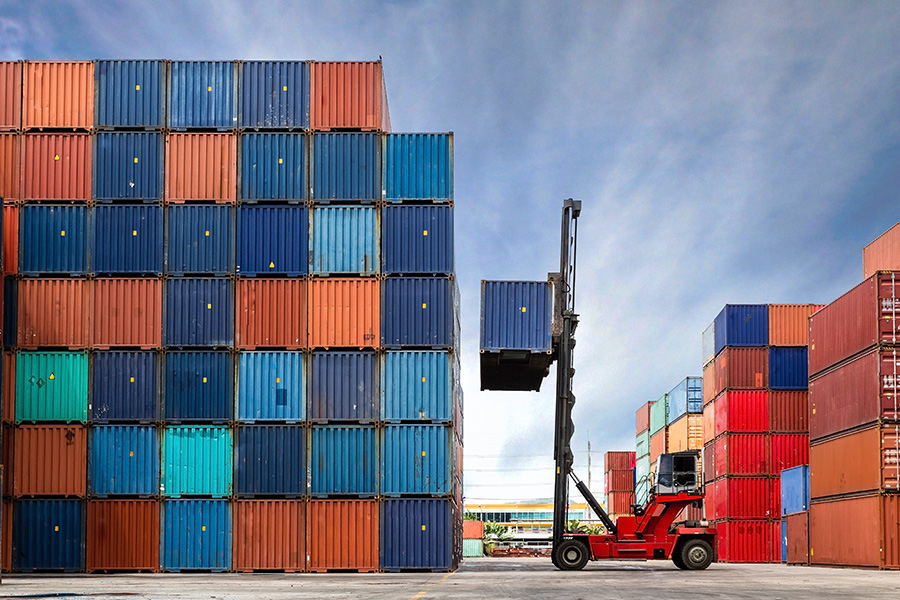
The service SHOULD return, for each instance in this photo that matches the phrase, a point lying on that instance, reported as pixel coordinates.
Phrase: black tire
(676, 558)
(696, 554)
(571, 555)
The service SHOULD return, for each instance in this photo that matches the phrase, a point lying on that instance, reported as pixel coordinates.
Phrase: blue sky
(725, 152)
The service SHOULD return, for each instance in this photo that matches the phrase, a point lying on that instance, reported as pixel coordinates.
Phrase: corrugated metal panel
(883, 253)
(418, 166)
(742, 368)
(709, 422)
(273, 240)
(417, 311)
(10, 245)
(343, 313)
(271, 313)
(49, 460)
(619, 481)
(9, 389)
(57, 166)
(10, 312)
(789, 324)
(473, 530)
(792, 449)
(795, 490)
(642, 480)
(11, 96)
(709, 467)
(200, 240)
(127, 312)
(343, 534)
(659, 413)
(419, 239)
(709, 343)
(123, 535)
(710, 385)
(417, 534)
(686, 434)
(642, 417)
(199, 312)
(130, 93)
(197, 460)
(747, 541)
(270, 535)
(618, 460)
(742, 454)
(54, 239)
(10, 159)
(196, 535)
(58, 94)
(270, 459)
(344, 239)
(343, 460)
(343, 386)
(686, 397)
(48, 535)
(274, 94)
(199, 386)
(788, 410)
(51, 386)
(473, 548)
(416, 386)
(742, 411)
(415, 459)
(125, 386)
(128, 166)
(863, 461)
(346, 166)
(273, 166)
(124, 460)
(855, 532)
(53, 312)
(642, 444)
(202, 94)
(659, 443)
(271, 386)
(619, 503)
(6, 542)
(744, 498)
(516, 315)
(348, 95)
(788, 368)
(201, 166)
(742, 325)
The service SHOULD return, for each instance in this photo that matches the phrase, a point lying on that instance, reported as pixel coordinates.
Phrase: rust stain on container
(10, 95)
(122, 535)
(344, 313)
(271, 313)
(53, 313)
(348, 95)
(343, 534)
(789, 324)
(856, 532)
(742, 369)
(9, 391)
(857, 462)
(49, 460)
(686, 434)
(10, 159)
(270, 535)
(127, 312)
(57, 166)
(201, 166)
(58, 94)
(10, 239)
(882, 254)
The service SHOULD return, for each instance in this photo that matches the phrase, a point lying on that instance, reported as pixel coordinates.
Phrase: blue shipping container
(342, 460)
(417, 239)
(418, 166)
(130, 93)
(202, 94)
(199, 312)
(516, 315)
(417, 311)
(415, 459)
(270, 459)
(686, 397)
(199, 386)
(128, 166)
(788, 368)
(273, 166)
(48, 535)
(742, 325)
(416, 386)
(343, 386)
(344, 239)
(273, 240)
(346, 166)
(417, 534)
(795, 490)
(784, 541)
(274, 94)
(53, 239)
(125, 386)
(271, 386)
(197, 461)
(200, 240)
(196, 535)
(124, 460)
(10, 312)
(127, 239)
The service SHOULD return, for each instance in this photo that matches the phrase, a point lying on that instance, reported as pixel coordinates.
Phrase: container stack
(473, 539)
(685, 426)
(659, 430)
(618, 478)
(642, 455)
(795, 515)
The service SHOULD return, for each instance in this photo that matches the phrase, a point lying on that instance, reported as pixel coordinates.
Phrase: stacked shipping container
(618, 481)
(795, 515)
(642, 462)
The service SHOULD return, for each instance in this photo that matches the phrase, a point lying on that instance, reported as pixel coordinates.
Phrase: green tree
(496, 531)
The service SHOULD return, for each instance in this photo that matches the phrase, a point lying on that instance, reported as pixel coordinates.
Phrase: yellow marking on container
(280, 161)
(62, 233)
(204, 380)
(52, 376)
(131, 453)
(523, 309)
(137, 88)
(132, 380)
(425, 232)
(203, 528)
(135, 160)
(284, 89)
(423, 380)
(56, 528)
(209, 88)
(271, 265)
(424, 305)
(56, 157)
(134, 232)
(423, 453)
(423, 528)
(207, 234)
(209, 307)
(278, 380)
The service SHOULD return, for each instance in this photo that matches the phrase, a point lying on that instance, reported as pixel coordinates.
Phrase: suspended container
(197, 461)
(130, 94)
(201, 167)
(199, 312)
(58, 94)
(127, 313)
(788, 368)
(795, 490)
(48, 535)
(273, 167)
(742, 325)
(343, 460)
(686, 397)
(419, 240)
(123, 461)
(270, 460)
(56, 166)
(53, 239)
(11, 96)
(125, 387)
(271, 313)
(343, 535)
(419, 534)
(344, 313)
(10, 161)
(270, 535)
(199, 386)
(346, 167)
(344, 239)
(53, 313)
(51, 386)
(416, 460)
(49, 460)
(272, 240)
(199, 240)
(274, 94)
(196, 535)
(202, 95)
(348, 95)
(271, 387)
(416, 386)
(418, 312)
(123, 535)
(343, 386)
(128, 167)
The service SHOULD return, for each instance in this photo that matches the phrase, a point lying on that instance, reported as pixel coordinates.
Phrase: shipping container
(415, 460)
(708, 343)
(473, 530)
(642, 444)
(199, 385)
(343, 460)
(53, 312)
(742, 325)
(788, 368)
(343, 535)
(709, 464)
(270, 535)
(123, 535)
(127, 312)
(48, 535)
(797, 539)
(795, 490)
(273, 167)
(130, 94)
(271, 386)
(199, 312)
(10, 161)
(659, 413)
(49, 460)
(201, 166)
(742, 454)
(789, 324)
(783, 541)
(745, 498)
(58, 94)
(56, 166)
(419, 240)
(202, 94)
(856, 532)
(346, 166)
(418, 166)
(348, 95)
(619, 503)
(618, 461)
(659, 443)
(344, 313)
(686, 397)
(747, 541)
(418, 534)
(197, 534)
(788, 450)
(742, 411)
(788, 411)
(9, 390)
(642, 480)
(125, 387)
(197, 461)
(709, 422)
(344, 239)
(861, 461)
(200, 240)
(515, 315)
(472, 548)
(742, 369)
(10, 96)
(270, 460)
(54, 239)
(883, 253)
(10, 312)
(710, 384)
(271, 313)
(619, 481)
(272, 240)
(123, 460)
(51, 386)
(343, 386)
(6, 541)
(416, 386)
(128, 166)
(686, 434)
(642, 417)
(274, 94)
(10, 242)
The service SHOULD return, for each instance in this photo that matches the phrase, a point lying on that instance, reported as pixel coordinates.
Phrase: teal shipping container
(51, 386)
(416, 386)
(659, 414)
(344, 239)
(124, 460)
(196, 535)
(642, 479)
(418, 166)
(473, 548)
(271, 386)
(343, 460)
(415, 460)
(642, 444)
(197, 461)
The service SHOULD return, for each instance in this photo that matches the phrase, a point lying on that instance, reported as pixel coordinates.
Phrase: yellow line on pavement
(419, 595)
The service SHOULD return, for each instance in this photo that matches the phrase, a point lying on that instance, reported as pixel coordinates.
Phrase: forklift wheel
(696, 555)
(571, 555)
(676, 558)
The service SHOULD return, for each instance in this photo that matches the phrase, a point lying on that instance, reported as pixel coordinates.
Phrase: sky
(724, 152)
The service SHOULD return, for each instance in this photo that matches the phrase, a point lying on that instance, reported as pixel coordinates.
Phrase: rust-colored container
(797, 526)
(58, 94)
(56, 166)
(618, 460)
(342, 534)
(709, 422)
(862, 461)
(686, 434)
(659, 443)
(619, 503)
(709, 383)
(9, 467)
(742, 369)
(49, 460)
(883, 253)
(619, 481)
(270, 535)
(788, 410)
(642, 418)
(271, 313)
(10, 239)
(9, 390)
(127, 312)
(344, 313)
(348, 95)
(122, 535)
(10, 96)
(742, 411)
(53, 313)
(856, 532)
(201, 166)
(789, 324)
(10, 173)
(473, 530)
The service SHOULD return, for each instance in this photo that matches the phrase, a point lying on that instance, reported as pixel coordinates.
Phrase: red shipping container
(709, 462)
(742, 454)
(882, 254)
(343, 534)
(788, 410)
(53, 313)
(10, 239)
(271, 313)
(658, 443)
(642, 417)
(710, 385)
(709, 501)
(690, 513)
(862, 461)
(270, 535)
(122, 535)
(856, 532)
(10, 157)
(748, 541)
(797, 538)
(49, 460)
(744, 498)
(709, 422)
(201, 166)
(620, 503)
(344, 313)
(10, 95)
(127, 312)
(742, 369)
(473, 530)
(619, 481)
(348, 95)
(57, 166)
(618, 461)
(788, 450)
(742, 411)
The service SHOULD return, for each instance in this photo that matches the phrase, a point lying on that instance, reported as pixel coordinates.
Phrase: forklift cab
(678, 473)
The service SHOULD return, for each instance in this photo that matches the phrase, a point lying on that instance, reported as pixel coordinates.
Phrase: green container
(659, 412)
(641, 479)
(51, 386)
(642, 444)
(473, 549)
(197, 461)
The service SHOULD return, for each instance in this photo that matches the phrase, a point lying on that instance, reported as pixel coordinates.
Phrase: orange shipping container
(49, 460)
(882, 254)
(686, 434)
(343, 534)
(9, 389)
(348, 95)
(270, 535)
(619, 503)
(642, 418)
(53, 313)
(658, 443)
(57, 166)
(10, 157)
(858, 462)
(742, 369)
(709, 383)
(122, 535)
(10, 95)
(127, 312)
(10, 239)
(58, 94)
(473, 530)
(271, 313)
(344, 313)
(789, 324)
(709, 422)
(856, 532)
(201, 166)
